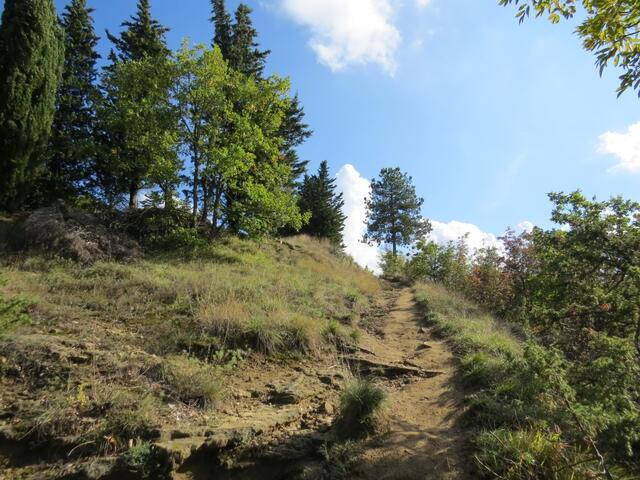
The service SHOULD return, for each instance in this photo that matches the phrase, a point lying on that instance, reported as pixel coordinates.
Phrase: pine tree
(72, 147)
(223, 29)
(318, 196)
(142, 37)
(294, 132)
(244, 55)
(394, 216)
(31, 58)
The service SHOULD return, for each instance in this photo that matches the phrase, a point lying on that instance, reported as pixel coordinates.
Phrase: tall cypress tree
(31, 58)
(318, 196)
(143, 38)
(223, 29)
(245, 55)
(71, 146)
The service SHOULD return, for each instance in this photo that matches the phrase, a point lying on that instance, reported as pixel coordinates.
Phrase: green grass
(360, 406)
(104, 352)
(466, 325)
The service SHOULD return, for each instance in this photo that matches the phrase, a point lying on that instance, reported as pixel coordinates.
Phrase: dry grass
(468, 326)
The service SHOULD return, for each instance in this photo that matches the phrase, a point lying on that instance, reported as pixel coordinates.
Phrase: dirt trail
(423, 439)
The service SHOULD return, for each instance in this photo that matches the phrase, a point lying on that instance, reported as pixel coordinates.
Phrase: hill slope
(226, 350)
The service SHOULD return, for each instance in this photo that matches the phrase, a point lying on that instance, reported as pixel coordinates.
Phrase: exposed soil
(423, 440)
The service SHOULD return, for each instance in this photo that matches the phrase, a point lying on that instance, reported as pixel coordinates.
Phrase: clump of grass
(335, 333)
(360, 408)
(191, 380)
(530, 455)
(130, 417)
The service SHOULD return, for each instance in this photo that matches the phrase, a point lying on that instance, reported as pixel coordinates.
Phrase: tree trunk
(196, 179)
(206, 194)
(394, 242)
(134, 188)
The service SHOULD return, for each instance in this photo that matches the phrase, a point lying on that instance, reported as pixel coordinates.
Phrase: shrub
(393, 266)
(147, 462)
(360, 406)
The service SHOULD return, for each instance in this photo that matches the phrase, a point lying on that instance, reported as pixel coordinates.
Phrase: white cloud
(526, 226)
(423, 3)
(347, 32)
(476, 239)
(625, 146)
(355, 189)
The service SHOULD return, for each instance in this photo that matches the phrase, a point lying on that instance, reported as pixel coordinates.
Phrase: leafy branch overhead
(610, 29)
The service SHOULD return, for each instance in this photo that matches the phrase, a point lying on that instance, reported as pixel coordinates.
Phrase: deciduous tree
(609, 28)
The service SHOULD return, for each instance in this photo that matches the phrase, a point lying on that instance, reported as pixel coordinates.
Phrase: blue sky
(487, 115)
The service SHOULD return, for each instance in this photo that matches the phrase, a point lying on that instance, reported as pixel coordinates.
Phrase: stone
(328, 408)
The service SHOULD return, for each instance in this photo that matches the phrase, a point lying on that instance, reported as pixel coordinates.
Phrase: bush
(360, 406)
(147, 462)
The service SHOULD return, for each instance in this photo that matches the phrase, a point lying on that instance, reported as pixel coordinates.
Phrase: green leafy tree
(31, 60)
(318, 196)
(137, 110)
(588, 275)
(223, 28)
(229, 127)
(394, 216)
(609, 28)
(244, 55)
(72, 147)
(141, 37)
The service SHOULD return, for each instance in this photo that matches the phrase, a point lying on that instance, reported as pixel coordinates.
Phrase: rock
(178, 434)
(101, 468)
(327, 408)
(290, 394)
(422, 330)
(76, 235)
(423, 346)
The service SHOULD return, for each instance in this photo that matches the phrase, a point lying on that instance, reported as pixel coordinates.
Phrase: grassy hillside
(94, 358)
